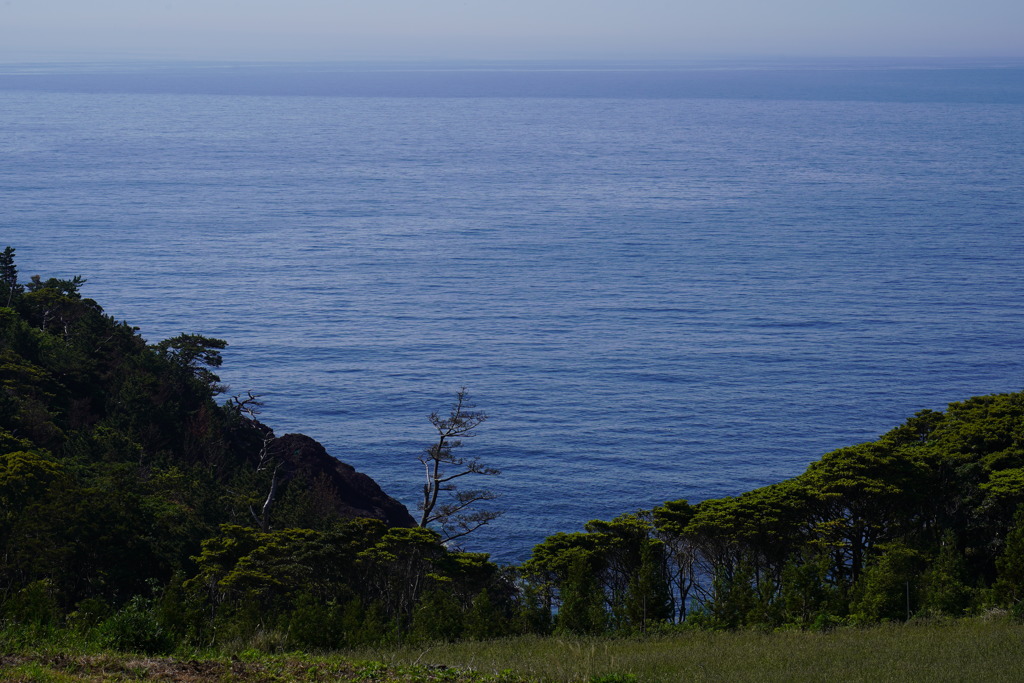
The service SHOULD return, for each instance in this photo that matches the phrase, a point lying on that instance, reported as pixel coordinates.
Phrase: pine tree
(484, 620)
(438, 617)
(647, 598)
(9, 287)
(582, 609)
(943, 587)
(531, 614)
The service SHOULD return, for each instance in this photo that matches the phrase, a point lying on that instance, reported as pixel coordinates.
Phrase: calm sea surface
(661, 283)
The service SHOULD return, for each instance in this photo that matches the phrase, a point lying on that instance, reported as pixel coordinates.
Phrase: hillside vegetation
(140, 510)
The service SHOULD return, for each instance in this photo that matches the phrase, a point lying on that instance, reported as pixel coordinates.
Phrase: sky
(272, 30)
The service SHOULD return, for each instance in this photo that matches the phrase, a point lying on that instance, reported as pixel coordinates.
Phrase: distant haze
(489, 29)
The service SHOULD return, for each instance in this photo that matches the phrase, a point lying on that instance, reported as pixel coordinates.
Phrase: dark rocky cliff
(348, 493)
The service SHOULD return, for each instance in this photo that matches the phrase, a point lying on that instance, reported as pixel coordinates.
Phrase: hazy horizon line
(526, 63)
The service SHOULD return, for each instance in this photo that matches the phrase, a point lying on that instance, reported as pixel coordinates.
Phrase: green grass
(46, 667)
(949, 650)
(963, 650)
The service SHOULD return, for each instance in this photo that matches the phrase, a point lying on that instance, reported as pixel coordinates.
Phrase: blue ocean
(660, 281)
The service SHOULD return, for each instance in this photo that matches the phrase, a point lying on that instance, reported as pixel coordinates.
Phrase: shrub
(34, 605)
(437, 617)
(135, 628)
(88, 614)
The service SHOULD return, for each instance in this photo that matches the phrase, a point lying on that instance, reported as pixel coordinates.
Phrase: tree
(195, 353)
(670, 521)
(443, 467)
(1010, 564)
(68, 288)
(861, 496)
(582, 610)
(888, 586)
(8, 276)
(943, 587)
(648, 598)
(437, 618)
(485, 619)
(247, 410)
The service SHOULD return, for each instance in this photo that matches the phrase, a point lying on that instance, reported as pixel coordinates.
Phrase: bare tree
(250, 407)
(444, 504)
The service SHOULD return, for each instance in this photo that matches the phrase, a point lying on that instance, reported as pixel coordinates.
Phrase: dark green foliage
(88, 614)
(9, 287)
(647, 599)
(34, 605)
(194, 354)
(250, 580)
(582, 610)
(485, 619)
(942, 587)
(531, 614)
(889, 586)
(920, 521)
(314, 584)
(670, 521)
(806, 595)
(315, 624)
(735, 597)
(438, 617)
(135, 628)
(1010, 564)
(173, 611)
(376, 628)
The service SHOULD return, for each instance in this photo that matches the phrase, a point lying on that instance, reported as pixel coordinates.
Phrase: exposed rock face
(350, 493)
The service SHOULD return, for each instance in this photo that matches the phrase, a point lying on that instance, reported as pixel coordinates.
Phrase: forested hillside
(143, 506)
(923, 520)
(129, 492)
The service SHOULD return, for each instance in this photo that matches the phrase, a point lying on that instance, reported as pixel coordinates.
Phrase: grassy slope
(964, 650)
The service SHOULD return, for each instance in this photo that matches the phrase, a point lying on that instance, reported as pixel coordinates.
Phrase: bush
(1017, 612)
(438, 617)
(88, 614)
(34, 605)
(313, 624)
(484, 619)
(135, 628)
